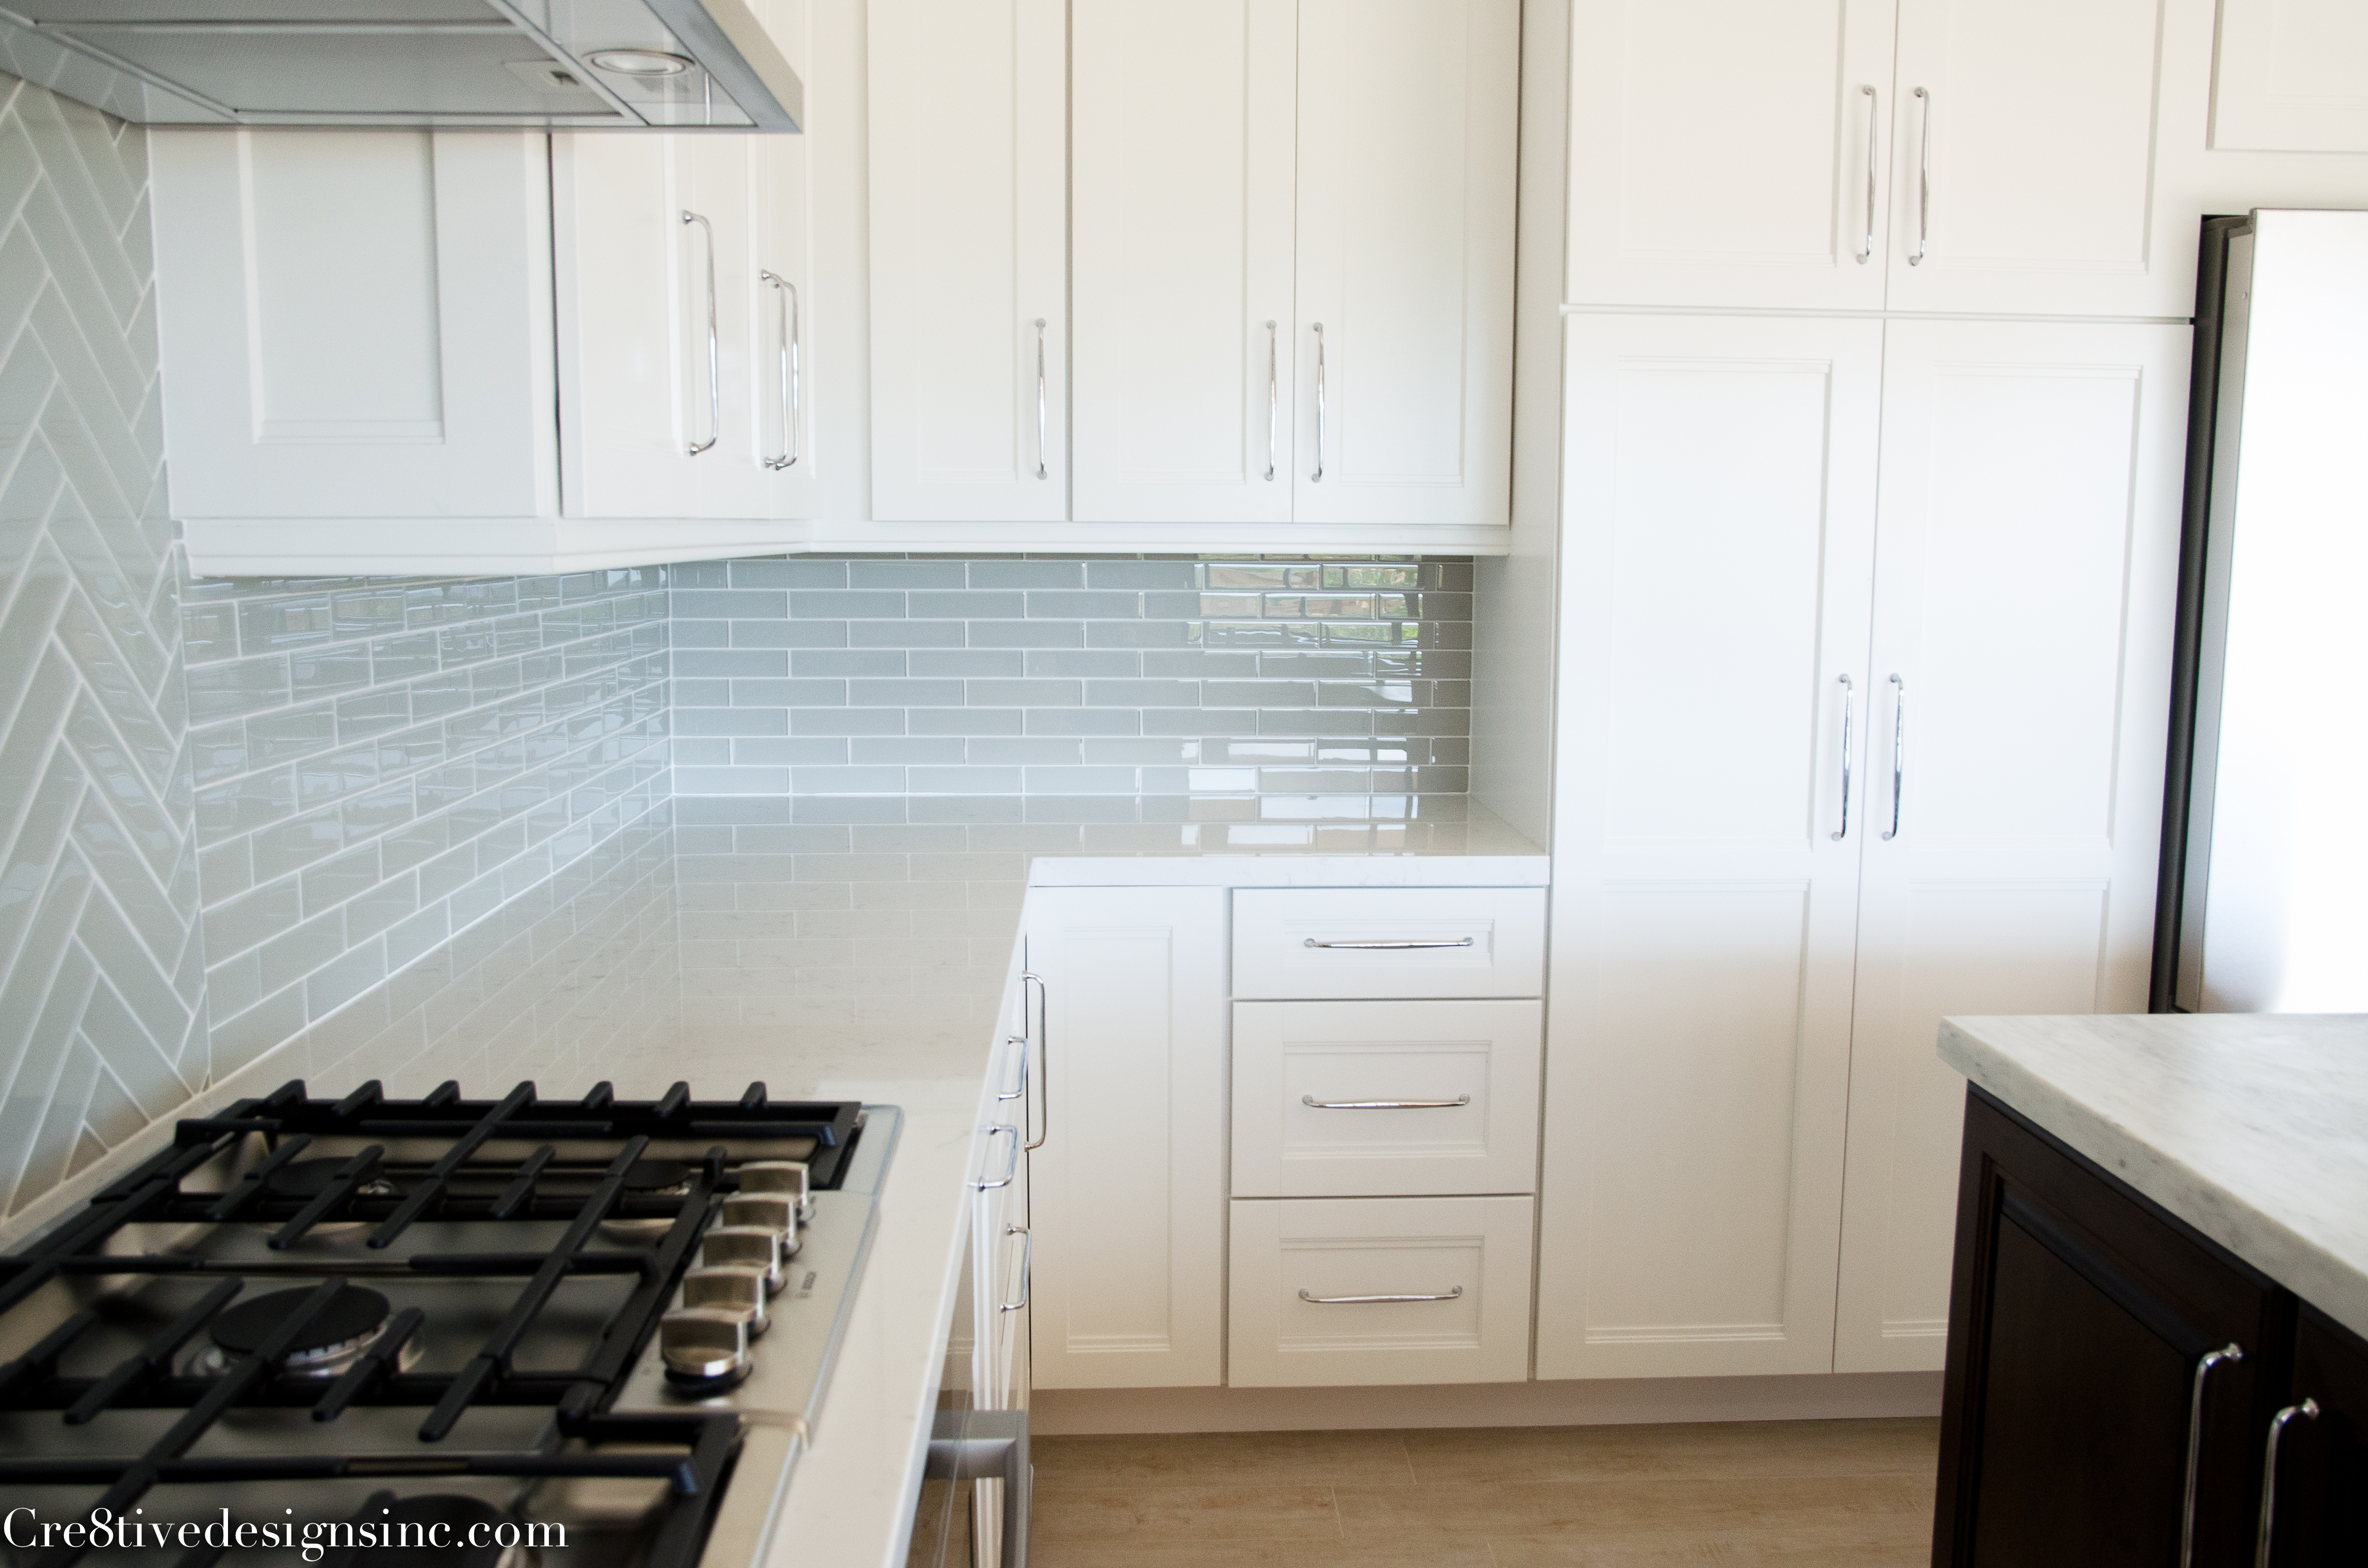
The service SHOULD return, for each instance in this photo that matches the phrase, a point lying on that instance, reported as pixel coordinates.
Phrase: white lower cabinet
(1385, 1098)
(1129, 1206)
(1328, 1292)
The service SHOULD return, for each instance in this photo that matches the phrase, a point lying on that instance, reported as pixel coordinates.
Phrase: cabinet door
(1129, 1201)
(2029, 535)
(1181, 241)
(969, 282)
(1721, 151)
(1406, 149)
(659, 416)
(2082, 1374)
(355, 323)
(2025, 171)
(1718, 527)
(2318, 1515)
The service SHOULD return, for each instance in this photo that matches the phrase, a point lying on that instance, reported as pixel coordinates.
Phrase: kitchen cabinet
(1706, 882)
(2089, 1374)
(969, 277)
(1772, 884)
(355, 324)
(2317, 1455)
(1128, 1194)
(2030, 481)
(1303, 312)
(1908, 155)
(686, 303)
(2290, 77)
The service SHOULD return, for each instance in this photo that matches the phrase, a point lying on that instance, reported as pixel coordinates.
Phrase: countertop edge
(2268, 1243)
(1289, 870)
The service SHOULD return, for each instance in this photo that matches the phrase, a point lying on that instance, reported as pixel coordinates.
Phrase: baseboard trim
(1589, 1403)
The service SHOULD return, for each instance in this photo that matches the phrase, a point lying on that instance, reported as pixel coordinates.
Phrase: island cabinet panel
(2101, 1352)
(1129, 1169)
(2316, 1445)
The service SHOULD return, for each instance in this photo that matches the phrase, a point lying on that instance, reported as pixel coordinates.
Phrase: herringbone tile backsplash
(102, 996)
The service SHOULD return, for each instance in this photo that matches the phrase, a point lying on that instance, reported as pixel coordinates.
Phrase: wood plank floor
(1743, 1494)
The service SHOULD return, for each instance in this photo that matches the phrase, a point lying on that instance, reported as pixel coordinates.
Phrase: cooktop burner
(301, 1300)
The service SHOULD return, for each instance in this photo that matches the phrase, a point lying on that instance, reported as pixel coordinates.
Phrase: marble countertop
(2253, 1127)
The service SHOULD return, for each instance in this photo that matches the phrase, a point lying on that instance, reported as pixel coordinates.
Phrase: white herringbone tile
(102, 1012)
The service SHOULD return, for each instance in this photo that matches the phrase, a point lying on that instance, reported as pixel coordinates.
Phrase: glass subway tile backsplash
(1112, 677)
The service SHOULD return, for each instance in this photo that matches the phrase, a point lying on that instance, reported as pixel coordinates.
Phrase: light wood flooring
(1742, 1495)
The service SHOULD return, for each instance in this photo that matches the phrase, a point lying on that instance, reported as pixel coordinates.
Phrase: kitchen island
(2158, 1315)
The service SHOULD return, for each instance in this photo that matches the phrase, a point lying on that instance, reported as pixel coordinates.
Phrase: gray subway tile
(819, 751)
(1026, 693)
(1027, 574)
(1143, 574)
(268, 626)
(909, 633)
(247, 686)
(905, 575)
(1086, 722)
(789, 693)
(942, 750)
(1027, 634)
(847, 780)
(846, 722)
(318, 672)
(1143, 693)
(253, 918)
(786, 633)
(729, 663)
(968, 605)
(964, 721)
(1258, 693)
(845, 606)
(805, 574)
(730, 604)
(967, 662)
(1089, 606)
(904, 693)
(964, 780)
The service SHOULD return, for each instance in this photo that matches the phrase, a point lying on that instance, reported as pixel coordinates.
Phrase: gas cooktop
(471, 1331)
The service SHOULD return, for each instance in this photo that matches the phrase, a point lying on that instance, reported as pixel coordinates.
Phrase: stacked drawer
(1385, 1070)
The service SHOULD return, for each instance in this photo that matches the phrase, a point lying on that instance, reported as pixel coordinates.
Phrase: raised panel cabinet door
(1128, 1201)
(355, 323)
(1407, 137)
(1711, 805)
(2102, 1354)
(1182, 169)
(2024, 150)
(2293, 77)
(968, 194)
(1730, 152)
(684, 301)
(2318, 1517)
(2029, 542)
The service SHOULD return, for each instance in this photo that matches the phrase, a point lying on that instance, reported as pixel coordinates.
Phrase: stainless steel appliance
(2265, 846)
(612, 1318)
(583, 64)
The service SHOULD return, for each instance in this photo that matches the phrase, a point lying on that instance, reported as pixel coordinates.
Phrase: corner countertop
(2253, 1127)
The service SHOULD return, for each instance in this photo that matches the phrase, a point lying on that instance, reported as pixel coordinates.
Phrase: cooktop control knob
(745, 1246)
(729, 1290)
(787, 1176)
(774, 1211)
(704, 1345)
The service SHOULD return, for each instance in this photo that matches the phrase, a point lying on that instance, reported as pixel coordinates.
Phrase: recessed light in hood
(562, 64)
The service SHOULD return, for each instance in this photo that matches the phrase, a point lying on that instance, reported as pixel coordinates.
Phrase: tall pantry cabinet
(1867, 569)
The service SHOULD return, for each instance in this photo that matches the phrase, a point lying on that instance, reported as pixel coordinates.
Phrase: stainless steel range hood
(565, 64)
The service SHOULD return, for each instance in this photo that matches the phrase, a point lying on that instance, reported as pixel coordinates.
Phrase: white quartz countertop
(2253, 1127)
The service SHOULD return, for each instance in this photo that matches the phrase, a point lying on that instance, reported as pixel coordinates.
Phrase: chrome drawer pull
(1311, 1103)
(2309, 1411)
(2230, 1352)
(1010, 1171)
(1363, 1301)
(1391, 947)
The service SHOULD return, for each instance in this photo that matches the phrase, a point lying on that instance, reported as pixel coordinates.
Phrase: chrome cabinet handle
(1042, 1035)
(1361, 1301)
(1011, 1170)
(1024, 1042)
(1391, 947)
(1027, 1268)
(1311, 1103)
(1898, 749)
(2203, 1364)
(1850, 711)
(1042, 473)
(1318, 477)
(788, 360)
(714, 374)
(1273, 398)
(1873, 103)
(2309, 1411)
(1923, 182)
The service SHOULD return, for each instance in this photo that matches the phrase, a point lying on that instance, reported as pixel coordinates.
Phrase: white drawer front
(1384, 1099)
(1355, 943)
(1294, 1260)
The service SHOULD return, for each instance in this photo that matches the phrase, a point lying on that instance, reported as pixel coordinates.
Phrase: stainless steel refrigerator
(2264, 898)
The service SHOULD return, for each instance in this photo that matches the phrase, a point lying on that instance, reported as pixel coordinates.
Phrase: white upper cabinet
(355, 323)
(1182, 248)
(657, 237)
(2293, 77)
(1722, 150)
(2024, 153)
(1407, 124)
(968, 117)
(2030, 541)
(1713, 798)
